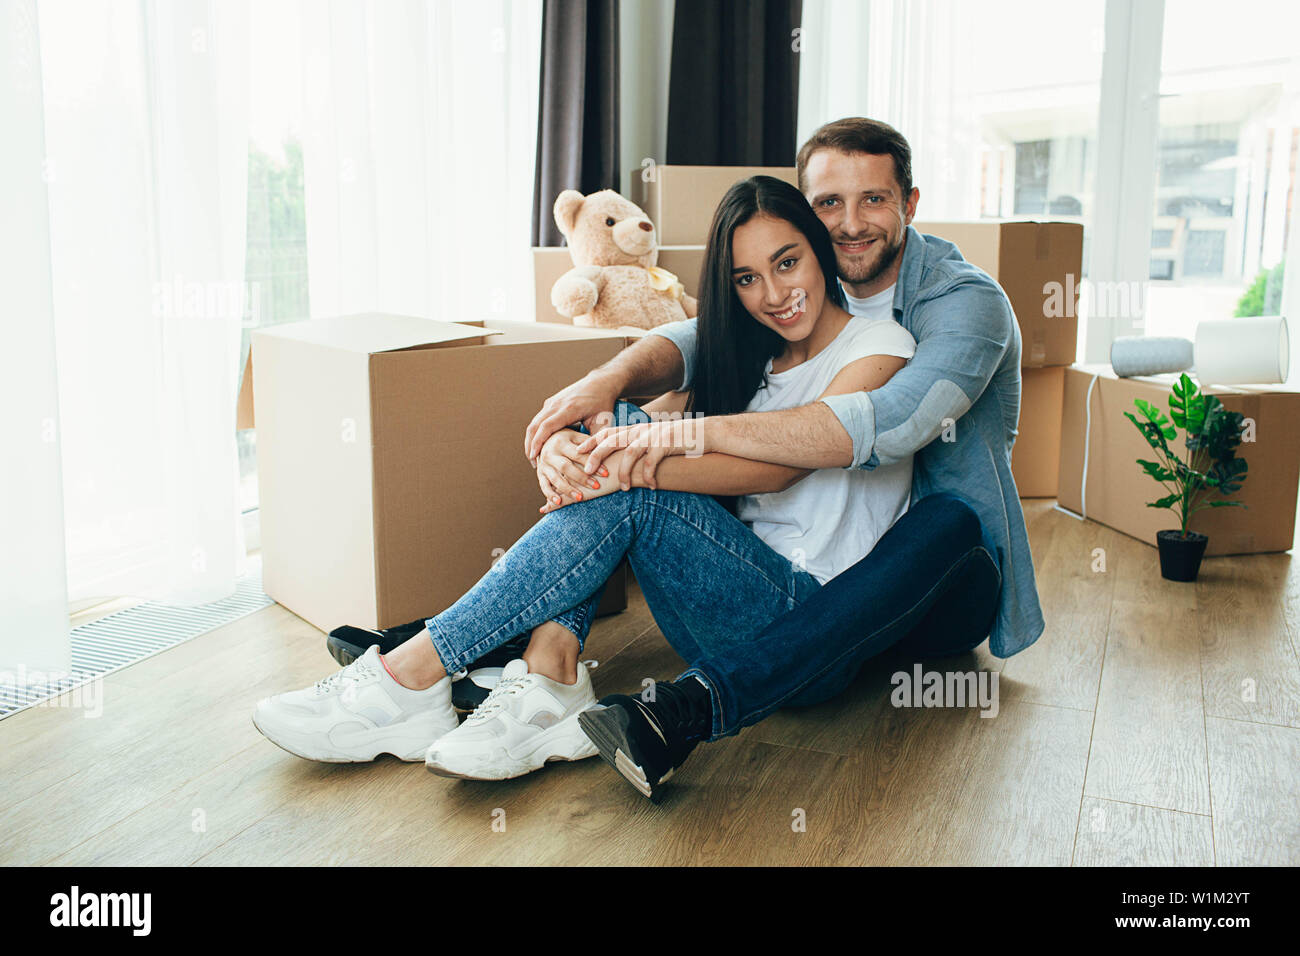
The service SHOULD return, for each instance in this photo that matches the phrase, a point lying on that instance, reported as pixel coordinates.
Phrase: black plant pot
(1180, 558)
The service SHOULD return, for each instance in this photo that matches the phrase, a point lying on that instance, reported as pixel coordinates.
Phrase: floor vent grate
(132, 634)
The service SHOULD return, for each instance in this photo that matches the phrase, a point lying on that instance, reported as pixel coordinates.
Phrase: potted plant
(1212, 436)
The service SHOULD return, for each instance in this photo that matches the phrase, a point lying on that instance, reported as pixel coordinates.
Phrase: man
(954, 569)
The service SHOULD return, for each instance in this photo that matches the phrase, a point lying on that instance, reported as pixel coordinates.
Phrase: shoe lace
(497, 697)
(358, 670)
(672, 713)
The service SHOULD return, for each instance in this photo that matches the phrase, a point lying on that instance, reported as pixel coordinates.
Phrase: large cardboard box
(1026, 258)
(681, 200)
(1117, 490)
(390, 457)
(1036, 455)
(551, 262)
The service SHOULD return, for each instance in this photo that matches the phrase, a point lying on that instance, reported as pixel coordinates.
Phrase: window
(1229, 123)
(276, 266)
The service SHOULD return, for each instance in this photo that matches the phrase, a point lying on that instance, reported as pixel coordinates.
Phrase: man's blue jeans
(760, 632)
(930, 586)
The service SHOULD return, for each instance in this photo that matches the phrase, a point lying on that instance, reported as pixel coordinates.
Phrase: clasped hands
(573, 467)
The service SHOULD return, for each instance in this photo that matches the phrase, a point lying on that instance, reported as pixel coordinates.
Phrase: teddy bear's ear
(567, 206)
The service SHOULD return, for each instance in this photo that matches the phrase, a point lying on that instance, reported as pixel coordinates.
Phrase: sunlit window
(1226, 166)
(277, 218)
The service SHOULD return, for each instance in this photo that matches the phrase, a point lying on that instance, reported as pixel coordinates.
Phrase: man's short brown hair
(857, 134)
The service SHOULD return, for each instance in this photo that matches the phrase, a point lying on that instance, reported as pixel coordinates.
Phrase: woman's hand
(559, 469)
(607, 485)
(642, 447)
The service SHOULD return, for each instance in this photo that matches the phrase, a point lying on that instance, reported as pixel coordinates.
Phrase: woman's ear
(567, 206)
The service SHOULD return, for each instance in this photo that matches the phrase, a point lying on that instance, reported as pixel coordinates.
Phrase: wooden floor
(1153, 723)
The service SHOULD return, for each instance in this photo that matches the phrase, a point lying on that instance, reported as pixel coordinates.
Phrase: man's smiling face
(862, 205)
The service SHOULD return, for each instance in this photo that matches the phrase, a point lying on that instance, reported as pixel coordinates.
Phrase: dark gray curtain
(734, 83)
(577, 122)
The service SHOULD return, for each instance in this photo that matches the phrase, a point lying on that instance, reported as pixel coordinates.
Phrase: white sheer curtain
(145, 158)
(33, 585)
(903, 62)
(419, 141)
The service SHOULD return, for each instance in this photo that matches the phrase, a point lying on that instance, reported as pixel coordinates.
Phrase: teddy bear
(614, 281)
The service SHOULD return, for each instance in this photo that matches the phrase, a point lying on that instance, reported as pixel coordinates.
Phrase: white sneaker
(356, 714)
(525, 721)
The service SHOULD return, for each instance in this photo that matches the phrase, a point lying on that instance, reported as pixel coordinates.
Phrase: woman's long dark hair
(733, 348)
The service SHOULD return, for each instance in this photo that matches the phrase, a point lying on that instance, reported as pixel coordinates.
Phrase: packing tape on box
(1087, 447)
(1243, 351)
(1138, 355)
(1037, 352)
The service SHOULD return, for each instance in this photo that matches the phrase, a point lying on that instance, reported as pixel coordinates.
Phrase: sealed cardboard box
(390, 457)
(1036, 455)
(681, 200)
(1116, 491)
(1038, 265)
(549, 263)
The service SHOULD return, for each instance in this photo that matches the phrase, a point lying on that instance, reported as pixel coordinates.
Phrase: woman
(721, 546)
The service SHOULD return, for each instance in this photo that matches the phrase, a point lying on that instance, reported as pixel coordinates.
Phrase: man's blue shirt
(955, 406)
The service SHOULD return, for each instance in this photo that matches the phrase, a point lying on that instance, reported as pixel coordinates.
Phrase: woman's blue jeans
(760, 632)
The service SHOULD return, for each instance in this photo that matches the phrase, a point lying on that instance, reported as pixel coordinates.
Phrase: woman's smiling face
(777, 277)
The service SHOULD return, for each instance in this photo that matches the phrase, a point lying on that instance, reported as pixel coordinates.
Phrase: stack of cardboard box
(1038, 265)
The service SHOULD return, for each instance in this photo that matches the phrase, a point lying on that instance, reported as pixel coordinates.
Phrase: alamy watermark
(87, 696)
(76, 908)
(919, 688)
(685, 435)
(213, 299)
(1120, 299)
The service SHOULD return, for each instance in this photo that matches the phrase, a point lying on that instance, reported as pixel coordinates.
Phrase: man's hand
(582, 401)
(559, 469)
(644, 446)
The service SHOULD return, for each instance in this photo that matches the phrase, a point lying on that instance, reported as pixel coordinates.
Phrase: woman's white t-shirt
(832, 518)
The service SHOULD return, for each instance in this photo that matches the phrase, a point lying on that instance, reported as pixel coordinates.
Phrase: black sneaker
(347, 643)
(468, 688)
(647, 741)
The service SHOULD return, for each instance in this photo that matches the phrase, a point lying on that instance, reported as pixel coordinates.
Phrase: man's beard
(870, 273)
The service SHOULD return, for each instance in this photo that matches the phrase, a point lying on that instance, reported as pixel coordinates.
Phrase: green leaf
(1149, 432)
(1226, 504)
(1157, 418)
(1167, 501)
(1227, 475)
(1187, 407)
(1221, 434)
(1156, 470)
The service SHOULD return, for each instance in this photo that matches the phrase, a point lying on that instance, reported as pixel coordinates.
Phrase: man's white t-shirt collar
(878, 306)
